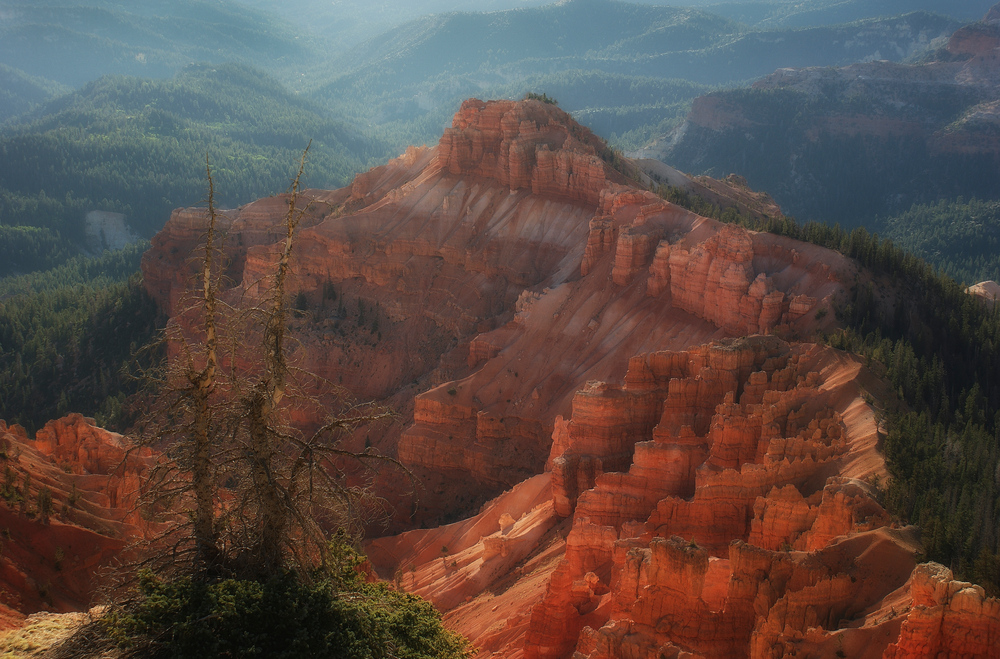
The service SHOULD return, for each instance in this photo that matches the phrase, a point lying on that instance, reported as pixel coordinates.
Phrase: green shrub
(544, 98)
(281, 617)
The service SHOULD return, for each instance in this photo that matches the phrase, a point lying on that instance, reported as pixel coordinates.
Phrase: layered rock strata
(719, 504)
(67, 510)
(738, 520)
(477, 285)
(745, 428)
(567, 343)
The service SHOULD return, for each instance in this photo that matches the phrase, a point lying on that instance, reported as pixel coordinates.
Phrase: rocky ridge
(486, 247)
(663, 469)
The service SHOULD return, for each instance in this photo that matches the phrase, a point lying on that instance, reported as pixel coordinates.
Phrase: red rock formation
(948, 618)
(525, 146)
(661, 546)
(81, 446)
(547, 330)
(51, 557)
(976, 40)
(479, 253)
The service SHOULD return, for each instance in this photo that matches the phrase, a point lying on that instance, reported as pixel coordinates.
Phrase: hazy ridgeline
(114, 108)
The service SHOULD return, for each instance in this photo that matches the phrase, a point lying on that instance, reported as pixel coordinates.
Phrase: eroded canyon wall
(505, 267)
(608, 393)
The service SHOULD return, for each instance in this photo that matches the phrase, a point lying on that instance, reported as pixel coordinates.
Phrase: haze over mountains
(862, 143)
(628, 71)
(77, 41)
(349, 22)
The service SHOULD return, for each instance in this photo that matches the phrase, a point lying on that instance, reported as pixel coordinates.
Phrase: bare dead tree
(179, 494)
(294, 492)
(263, 399)
(202, 384)
(256, 494)
(238, 490)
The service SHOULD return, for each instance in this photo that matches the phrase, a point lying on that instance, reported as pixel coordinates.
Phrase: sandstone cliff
(435, 281)
(604, 393)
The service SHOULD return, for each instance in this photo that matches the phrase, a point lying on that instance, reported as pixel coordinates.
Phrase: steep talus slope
(671, 472)
(893, 134)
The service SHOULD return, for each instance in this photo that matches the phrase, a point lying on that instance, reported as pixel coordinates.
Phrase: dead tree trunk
(264, 399)
(202, 385)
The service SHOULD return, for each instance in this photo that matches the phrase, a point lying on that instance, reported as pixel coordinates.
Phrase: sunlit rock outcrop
(608, 398)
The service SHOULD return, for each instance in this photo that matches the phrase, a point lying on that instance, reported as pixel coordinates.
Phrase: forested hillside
(138, 146)
(798, 152)
(20, 92)
(962, 238)
(65, 335)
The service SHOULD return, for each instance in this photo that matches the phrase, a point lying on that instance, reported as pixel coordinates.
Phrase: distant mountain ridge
(412, 78)
(348, 23)
(802, 13)
(151, 38)
(20, 92)
(852, 143)
(138, 147)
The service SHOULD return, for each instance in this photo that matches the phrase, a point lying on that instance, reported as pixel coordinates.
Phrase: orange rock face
(949, 618)
(593, 379)
(52, 551)
(711, 472)
(525, 146)
(479, 284)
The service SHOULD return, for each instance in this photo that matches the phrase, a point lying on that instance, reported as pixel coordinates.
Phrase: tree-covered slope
(20, 92)
(962, 238)
(138, 146)
(65, 335)
(839, 158)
